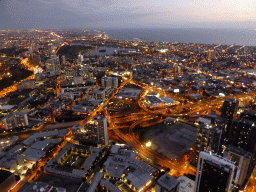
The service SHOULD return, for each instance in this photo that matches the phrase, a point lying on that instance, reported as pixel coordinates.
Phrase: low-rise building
(95, 182)
(122, 165)
(185, 184)
(128, 93)
(166, 183)
(40, 186)
(56, 166)
(16, 119)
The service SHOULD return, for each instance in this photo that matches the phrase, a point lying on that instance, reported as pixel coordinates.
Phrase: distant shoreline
(186, 35)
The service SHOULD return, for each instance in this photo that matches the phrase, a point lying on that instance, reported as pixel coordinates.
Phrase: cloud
(123, 13)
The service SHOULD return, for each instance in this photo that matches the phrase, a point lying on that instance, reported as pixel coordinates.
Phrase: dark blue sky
(95, 14)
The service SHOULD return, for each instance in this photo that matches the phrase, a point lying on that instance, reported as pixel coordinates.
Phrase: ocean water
(191, 35)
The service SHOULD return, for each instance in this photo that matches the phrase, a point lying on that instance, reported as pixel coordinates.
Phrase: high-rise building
(229, 110)
(52, 65)
(243, 134)
(62, 60)
(211, 55)
(7, 180)
(208, 138)
(249, 114)
(34, 59)
(51, 81)
(80, 58)
(109, 82)
(97, 130)
(99, 93)
(243, 161)
(214, 173)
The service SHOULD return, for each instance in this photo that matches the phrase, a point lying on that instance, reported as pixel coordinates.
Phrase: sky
(97, 14)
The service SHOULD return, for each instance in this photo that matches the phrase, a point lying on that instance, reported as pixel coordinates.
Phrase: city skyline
(64, 14)
(127, 116)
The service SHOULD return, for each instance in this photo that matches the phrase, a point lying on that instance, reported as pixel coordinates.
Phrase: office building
(249, 115)
(27, 84)
(39, 77)
(99, 93)
(109, 82)
(243, 134)
(229, 110)
(208, 138)
(35, 59)
(214, 173)
(211, 55)
(51, 81)
(52, 65)
(243, 161)
(62, 60)
(97, 130)
(7, 180)
(80, 58)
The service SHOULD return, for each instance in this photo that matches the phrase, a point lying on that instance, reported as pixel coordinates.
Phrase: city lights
(148, 144)
(163, 102)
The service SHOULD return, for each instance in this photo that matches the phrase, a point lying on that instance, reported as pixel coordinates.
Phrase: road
(149, 117)
(13, 88)
(145, 117)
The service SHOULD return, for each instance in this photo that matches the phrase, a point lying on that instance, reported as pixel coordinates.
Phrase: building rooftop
(33, 154)
(185, 184)
(71, 171)
(111, 187)
(138, 179)
(41, 145)
(168, 182)
(40, 187)
(95, 182)
(32, 138)
(204, 121)
(123, 161)
(238, 151)
(7, 107)
(232, 100)
(4, 175)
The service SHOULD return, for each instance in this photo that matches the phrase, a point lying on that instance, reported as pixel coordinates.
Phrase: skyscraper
(80, 58)
(229, 110)
(243, 134)
(214, 173)
(211, 55)
(243, 163)
(97, 130)
(208, 138)
(52, 65)
(249, 114)
(62, 60)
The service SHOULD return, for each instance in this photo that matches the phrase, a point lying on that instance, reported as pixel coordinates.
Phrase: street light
(148, 144)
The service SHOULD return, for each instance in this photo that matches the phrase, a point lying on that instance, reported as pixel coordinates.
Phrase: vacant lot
(172, 140)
